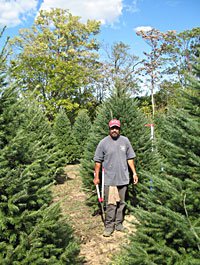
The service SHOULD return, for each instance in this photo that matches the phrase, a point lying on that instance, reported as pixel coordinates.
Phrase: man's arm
(97, 169)
(132, 166)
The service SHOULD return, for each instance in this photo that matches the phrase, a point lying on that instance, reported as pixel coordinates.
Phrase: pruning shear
(101, 197)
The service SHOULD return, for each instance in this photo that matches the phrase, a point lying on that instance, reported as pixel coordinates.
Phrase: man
(116, 153)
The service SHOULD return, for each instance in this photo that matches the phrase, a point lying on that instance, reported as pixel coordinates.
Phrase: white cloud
(143, 28)
(173, 3)
(132, 7)
(106, 11)
(14, 12)
(11, 12)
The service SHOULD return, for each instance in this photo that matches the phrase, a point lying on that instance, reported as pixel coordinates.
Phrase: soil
(95, 248)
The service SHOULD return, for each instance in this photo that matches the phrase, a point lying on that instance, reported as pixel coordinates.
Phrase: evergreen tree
(65, 138)
(81, 130)
(167, 225)
(119, 106)
(31, 230)
(6, 114)
(168, 228)
(179, 130)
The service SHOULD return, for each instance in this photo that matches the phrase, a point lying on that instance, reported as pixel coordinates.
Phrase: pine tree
(7, 114)
(168, 228)
(118, 106)
(81, 130)
(65, 138)
(31, 228)
(31, 231)
(179, 144)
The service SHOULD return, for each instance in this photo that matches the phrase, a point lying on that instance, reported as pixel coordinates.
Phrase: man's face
(114, 132)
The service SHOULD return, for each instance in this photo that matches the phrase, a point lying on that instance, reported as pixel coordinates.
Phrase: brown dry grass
(95, 248)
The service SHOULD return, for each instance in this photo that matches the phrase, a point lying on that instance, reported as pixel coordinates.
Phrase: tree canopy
(56, 60)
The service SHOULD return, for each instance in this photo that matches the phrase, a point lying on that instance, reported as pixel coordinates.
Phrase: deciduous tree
(152, 63)
(56, 60)
(119, 67)
(180, 49)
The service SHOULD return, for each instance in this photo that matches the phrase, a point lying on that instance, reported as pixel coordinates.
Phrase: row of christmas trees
(32, 230)
(33, 155)
(72, 139)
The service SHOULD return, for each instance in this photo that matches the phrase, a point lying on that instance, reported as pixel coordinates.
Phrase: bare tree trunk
(152, 97)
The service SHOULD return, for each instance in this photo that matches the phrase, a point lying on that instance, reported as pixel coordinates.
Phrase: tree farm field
(94, 248)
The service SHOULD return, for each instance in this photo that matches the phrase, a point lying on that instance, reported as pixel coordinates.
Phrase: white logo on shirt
(123, 147)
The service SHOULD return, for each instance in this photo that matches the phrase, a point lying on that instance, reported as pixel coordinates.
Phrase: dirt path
(95, 248)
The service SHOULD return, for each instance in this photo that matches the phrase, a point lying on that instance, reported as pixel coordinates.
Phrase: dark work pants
(115, 213)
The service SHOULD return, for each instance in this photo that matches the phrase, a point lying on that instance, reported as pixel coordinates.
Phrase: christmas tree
(81, 130)
(32, 231)
(118, 106)
(65, 138)
(31, 228)
(168, 227)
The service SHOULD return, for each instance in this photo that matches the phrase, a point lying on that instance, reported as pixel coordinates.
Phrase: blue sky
(120, 18)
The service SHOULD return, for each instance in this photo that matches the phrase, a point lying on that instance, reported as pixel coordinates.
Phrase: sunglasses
(115, 127)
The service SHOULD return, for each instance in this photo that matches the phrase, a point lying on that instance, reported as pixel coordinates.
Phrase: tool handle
(101, 199)
(98, 193)
(102, 188)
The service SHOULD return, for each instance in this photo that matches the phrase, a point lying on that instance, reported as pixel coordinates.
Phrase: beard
(114, 135)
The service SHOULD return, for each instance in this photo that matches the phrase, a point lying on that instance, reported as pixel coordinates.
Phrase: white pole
(152, 137)
(152, 134)
(102, 190)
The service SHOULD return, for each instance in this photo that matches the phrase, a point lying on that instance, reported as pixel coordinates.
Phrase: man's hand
(135, 178)
(132, 166)
(96, 181)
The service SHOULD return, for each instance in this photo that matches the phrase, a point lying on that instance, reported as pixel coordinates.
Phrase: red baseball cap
(114, 123)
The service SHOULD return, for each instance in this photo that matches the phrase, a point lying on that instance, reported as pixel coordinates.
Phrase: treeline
(57, 62)
(56, 100)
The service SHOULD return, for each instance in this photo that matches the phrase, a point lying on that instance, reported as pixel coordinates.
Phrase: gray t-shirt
(114, 155)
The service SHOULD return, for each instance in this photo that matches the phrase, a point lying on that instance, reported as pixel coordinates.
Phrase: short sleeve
(99, 155)
(130, 153)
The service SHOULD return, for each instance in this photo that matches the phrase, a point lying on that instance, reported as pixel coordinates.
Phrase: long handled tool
(101, 197)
